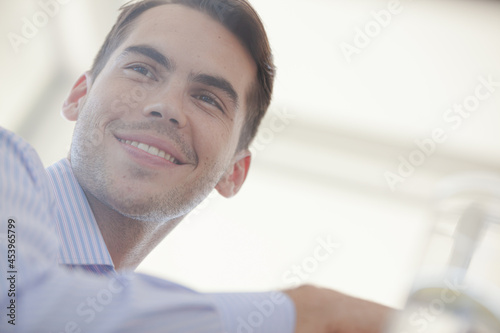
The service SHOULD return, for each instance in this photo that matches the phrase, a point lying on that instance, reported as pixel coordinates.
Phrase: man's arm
(322, 310)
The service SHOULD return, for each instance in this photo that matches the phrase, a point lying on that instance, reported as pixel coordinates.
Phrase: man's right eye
(142, 70)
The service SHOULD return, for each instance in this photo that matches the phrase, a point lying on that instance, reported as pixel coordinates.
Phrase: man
(200, 74)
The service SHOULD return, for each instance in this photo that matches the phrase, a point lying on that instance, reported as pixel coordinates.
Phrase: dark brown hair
(237, 16)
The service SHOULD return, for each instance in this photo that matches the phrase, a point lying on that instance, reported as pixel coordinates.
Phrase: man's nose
(168, 105)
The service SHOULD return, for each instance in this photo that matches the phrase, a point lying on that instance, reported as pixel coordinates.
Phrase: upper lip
(159, 143)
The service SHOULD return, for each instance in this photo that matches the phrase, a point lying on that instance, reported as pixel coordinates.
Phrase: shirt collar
(81, 239)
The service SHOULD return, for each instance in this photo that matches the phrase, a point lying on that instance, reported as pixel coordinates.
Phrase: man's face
(158, 128)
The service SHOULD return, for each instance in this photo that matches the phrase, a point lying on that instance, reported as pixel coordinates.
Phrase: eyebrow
(209, 80)
(151, 53)
(219, 83)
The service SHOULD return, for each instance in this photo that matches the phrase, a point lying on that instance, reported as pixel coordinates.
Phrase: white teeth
(143, 146)
(150, 149)
(153, 150)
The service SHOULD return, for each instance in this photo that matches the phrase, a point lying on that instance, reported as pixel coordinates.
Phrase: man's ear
(235, 175)
(72, 104)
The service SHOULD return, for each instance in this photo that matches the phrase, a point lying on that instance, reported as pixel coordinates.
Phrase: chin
(152, 210)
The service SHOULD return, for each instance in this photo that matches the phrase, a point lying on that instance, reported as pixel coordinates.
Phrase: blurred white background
(344, 122)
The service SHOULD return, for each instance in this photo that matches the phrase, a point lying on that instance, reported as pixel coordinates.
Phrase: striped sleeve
(25, 197)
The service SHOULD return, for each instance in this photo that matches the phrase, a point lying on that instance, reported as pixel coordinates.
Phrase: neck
(129, 241)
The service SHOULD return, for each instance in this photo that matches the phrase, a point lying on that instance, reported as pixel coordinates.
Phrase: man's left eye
(209, 100)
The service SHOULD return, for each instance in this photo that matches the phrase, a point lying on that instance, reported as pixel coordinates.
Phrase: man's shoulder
(9, 141)
(17, 156)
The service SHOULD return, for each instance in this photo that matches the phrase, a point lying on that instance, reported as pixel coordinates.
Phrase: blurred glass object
(457, 289)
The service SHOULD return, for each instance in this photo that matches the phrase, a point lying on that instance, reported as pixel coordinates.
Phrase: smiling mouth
(151, 150)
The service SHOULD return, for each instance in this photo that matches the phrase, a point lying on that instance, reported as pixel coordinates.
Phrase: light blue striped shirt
(82, 245)
(47, 220)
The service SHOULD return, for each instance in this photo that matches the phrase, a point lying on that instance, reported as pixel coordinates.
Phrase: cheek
(113, 98)
(99, 109)
(89, 132)
(213, 140)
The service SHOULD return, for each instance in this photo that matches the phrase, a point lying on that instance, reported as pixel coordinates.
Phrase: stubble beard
(92, 170)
